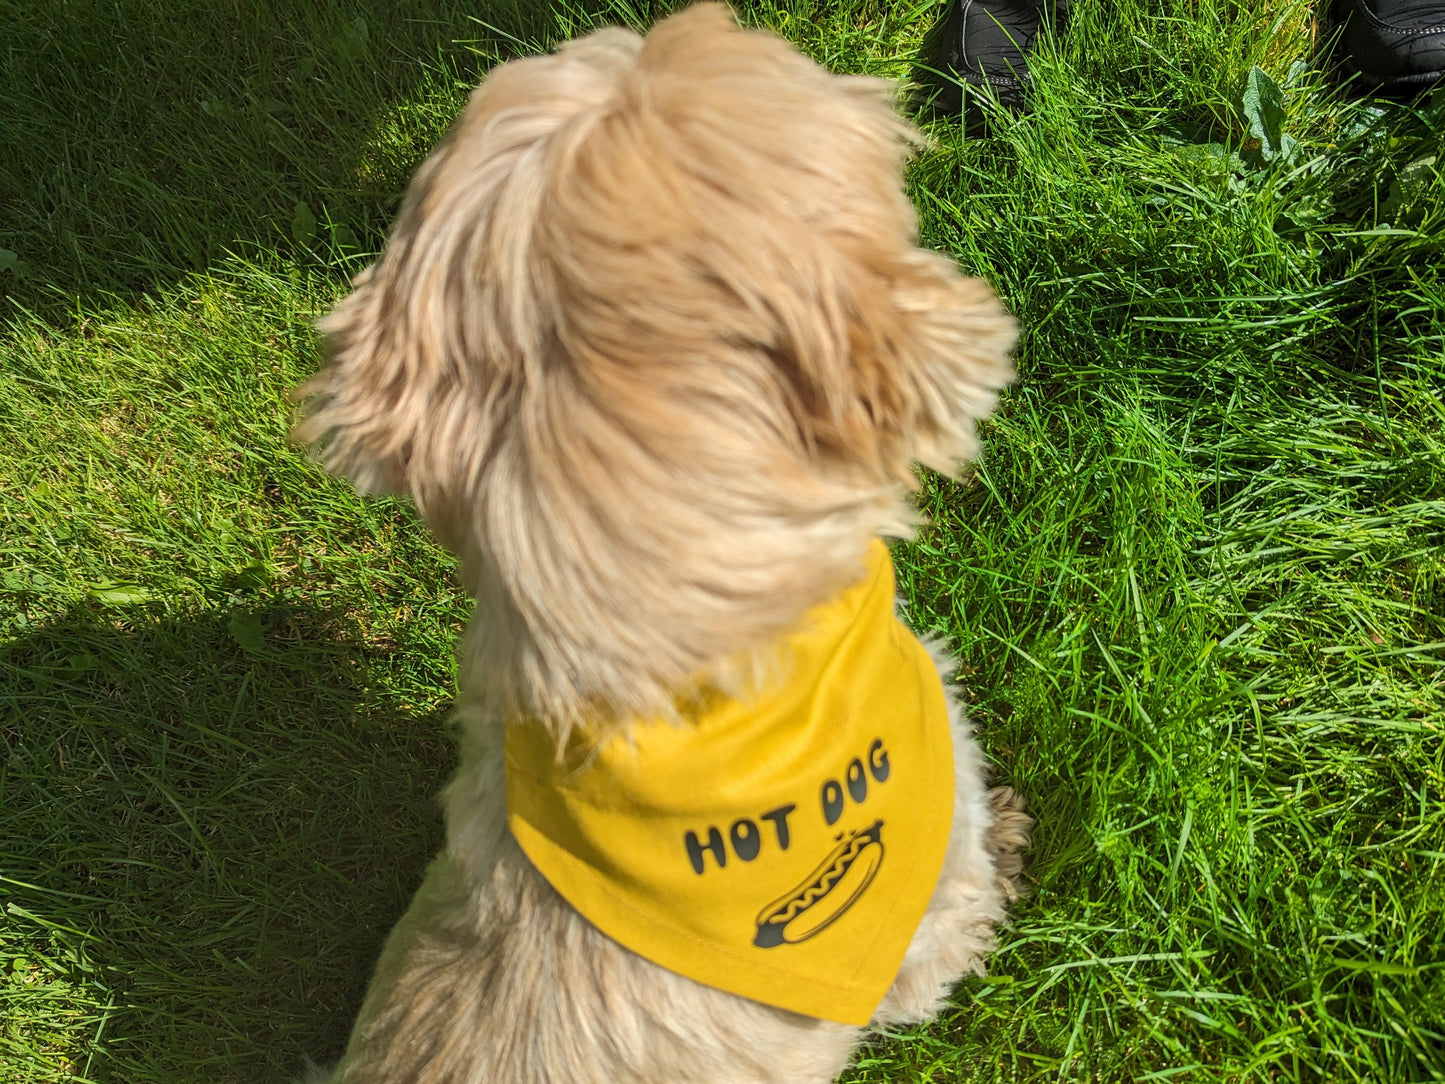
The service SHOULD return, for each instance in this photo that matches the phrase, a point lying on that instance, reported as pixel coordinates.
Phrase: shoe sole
(1394, 82)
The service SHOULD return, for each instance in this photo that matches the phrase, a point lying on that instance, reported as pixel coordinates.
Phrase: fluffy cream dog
(653, 349)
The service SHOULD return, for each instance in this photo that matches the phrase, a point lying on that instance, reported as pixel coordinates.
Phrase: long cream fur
(653, 348)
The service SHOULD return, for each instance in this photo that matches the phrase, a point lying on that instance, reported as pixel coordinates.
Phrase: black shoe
(986, 42)
(1396, 45)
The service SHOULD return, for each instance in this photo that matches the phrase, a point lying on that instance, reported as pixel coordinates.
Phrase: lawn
(1196, 581)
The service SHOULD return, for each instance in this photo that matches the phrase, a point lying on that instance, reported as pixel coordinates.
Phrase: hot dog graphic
(827, 893)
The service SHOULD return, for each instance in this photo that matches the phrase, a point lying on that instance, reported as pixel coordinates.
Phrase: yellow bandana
(783, 850)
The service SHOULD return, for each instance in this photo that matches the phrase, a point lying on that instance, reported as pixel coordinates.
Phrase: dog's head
(653, 348)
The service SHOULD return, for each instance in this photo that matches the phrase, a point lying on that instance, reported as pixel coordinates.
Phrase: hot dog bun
(827, 893)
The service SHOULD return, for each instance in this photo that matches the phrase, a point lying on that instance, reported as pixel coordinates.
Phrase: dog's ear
(432, 345)
(354, 416)
(886, 352)
(927, 353)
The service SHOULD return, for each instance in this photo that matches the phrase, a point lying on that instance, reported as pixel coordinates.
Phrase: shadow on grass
(202, 845)
(146, 139)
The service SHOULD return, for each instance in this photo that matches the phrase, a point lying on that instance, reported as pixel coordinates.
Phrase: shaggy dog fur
(653, 349)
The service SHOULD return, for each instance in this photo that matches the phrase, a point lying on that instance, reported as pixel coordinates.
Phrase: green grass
(1197, 581)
